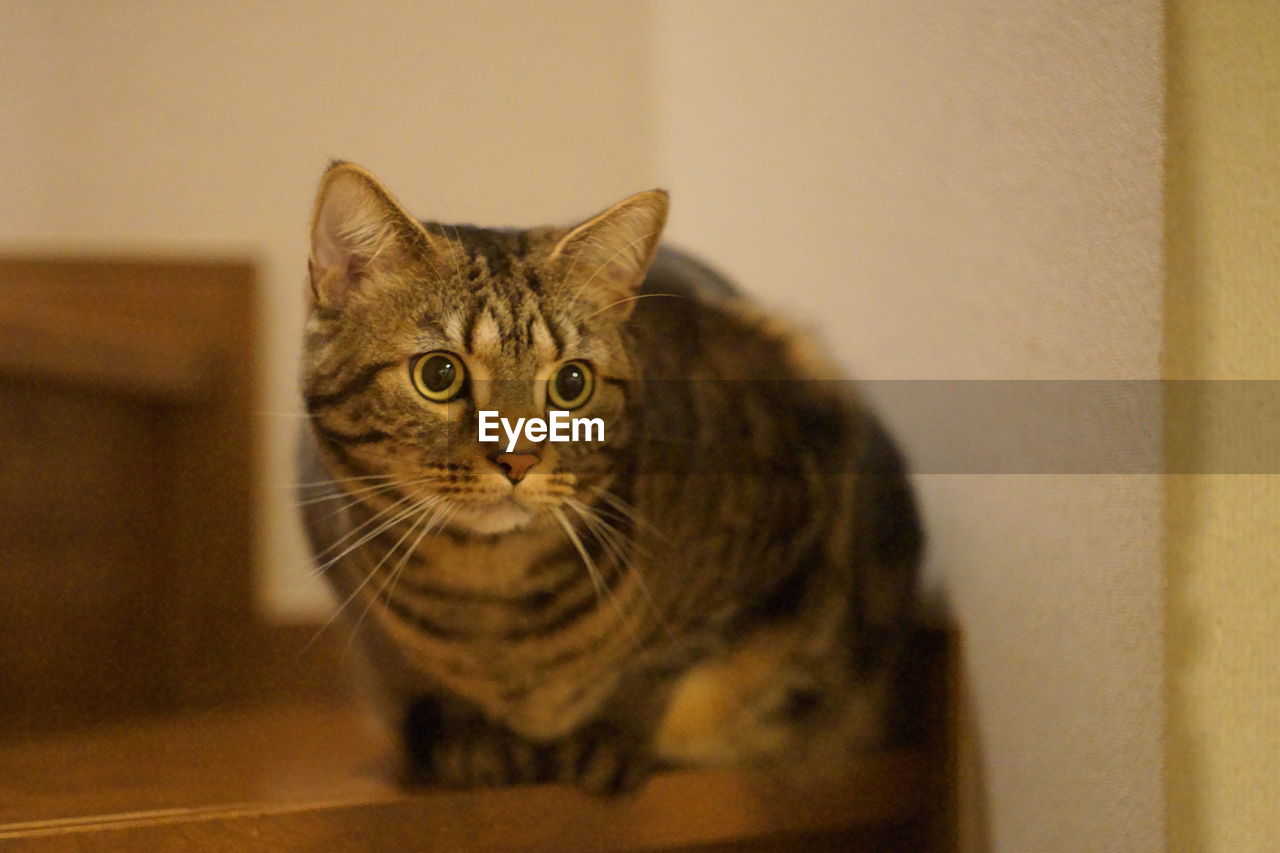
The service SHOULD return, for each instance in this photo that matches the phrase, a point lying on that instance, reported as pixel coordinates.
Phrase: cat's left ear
(607, 256)
(359, 235)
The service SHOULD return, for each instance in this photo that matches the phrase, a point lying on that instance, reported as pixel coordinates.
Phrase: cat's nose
(516, 465)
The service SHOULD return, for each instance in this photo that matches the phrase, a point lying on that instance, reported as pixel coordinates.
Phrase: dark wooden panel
(157, 328)
(78, 507)
(126, 486)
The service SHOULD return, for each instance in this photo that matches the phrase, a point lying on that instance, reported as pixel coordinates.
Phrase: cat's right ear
(358, 232)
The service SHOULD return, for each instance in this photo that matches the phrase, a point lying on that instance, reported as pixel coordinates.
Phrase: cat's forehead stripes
(542, 338)
(494, 328)
(504, 309)
(453, 328)
(516, 333)
(485, 336)
(490, 253)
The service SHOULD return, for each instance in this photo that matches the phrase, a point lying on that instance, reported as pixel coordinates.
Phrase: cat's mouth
(491, 509)
(501, 515)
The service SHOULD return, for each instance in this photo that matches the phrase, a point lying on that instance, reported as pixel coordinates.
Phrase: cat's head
(416, 328)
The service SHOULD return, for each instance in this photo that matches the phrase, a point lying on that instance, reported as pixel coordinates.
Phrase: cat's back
(693, 323)
(678, 272)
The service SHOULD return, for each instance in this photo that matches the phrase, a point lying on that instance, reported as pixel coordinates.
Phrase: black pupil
(438, 373)
(570, 382)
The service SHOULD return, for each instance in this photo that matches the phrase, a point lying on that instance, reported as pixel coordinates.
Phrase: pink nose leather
(516, 465)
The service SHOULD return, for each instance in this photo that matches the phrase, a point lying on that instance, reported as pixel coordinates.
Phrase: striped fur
(727, 579)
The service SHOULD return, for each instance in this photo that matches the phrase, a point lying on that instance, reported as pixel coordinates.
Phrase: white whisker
(623, 550)
(602, 594)
(622, 507)
(633, 299)
(355, 531)
(439, 519)
(408, 485)
(367, 491)
(343, 606)
(318, 483)
(431, 512)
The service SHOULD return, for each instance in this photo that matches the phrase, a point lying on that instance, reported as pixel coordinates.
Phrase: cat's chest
(525, 633)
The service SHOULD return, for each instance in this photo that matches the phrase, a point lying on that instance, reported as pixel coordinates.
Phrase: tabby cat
(726, 578)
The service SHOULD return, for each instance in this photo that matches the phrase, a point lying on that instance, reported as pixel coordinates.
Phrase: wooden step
(318, 777)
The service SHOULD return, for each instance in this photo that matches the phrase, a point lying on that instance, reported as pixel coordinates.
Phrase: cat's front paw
(604, 759)
(456, 747)
(453, 746)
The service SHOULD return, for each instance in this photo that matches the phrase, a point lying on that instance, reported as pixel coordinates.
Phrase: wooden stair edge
(676, 809)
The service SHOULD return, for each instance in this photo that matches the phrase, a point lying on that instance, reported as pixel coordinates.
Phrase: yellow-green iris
(571, 385)
(439, 376)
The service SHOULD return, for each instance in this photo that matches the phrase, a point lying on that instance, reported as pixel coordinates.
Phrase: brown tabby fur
(728, 578)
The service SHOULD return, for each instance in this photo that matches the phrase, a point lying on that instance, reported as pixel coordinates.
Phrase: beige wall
(1223, 304)
(968, 190)
(951, 190)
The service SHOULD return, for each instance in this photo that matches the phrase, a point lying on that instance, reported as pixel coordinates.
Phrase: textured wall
(968, 189)
(1224, 265)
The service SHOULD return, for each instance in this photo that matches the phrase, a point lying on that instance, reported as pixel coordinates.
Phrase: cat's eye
(439, 376)
(571, 385)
